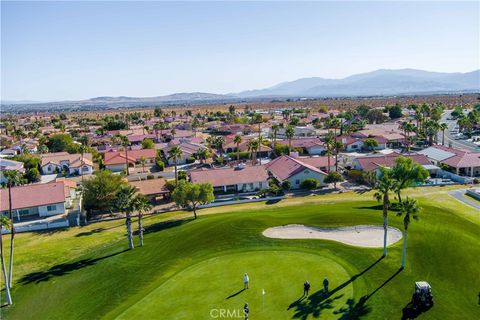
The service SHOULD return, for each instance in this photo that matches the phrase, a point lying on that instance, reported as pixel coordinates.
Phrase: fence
(39, 225)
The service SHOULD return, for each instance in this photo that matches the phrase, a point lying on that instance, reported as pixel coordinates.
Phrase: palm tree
(258, 119)
(409, 209)
(289, 133)
(174, 154)
(252, 146)
(202, 154)
(443, 127)
(275, 128)
(142, 205)
(122, 140)
(329, 143)
(142, 161)
(384, 185)
(4, 224)
(238, 140)
(173, 132)
(125, 202)
(14, 178)
(338, 147)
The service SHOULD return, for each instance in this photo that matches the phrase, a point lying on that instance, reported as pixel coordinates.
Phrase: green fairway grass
(187, 267)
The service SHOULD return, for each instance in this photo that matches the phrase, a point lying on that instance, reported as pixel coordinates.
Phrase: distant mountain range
(381, 82)
(377, 83)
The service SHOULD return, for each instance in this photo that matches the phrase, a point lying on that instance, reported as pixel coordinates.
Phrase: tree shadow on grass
(273, 201)
(164, 225)
(234, 294)
(322, 300)
(89, 233)
(63, 269)
(392, 207)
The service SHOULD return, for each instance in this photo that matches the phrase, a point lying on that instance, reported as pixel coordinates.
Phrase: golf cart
(422, 298)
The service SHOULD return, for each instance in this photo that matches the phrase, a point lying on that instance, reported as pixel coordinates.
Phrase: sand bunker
(360, 236)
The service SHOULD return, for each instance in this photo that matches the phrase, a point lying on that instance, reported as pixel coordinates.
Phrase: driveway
(460, 196)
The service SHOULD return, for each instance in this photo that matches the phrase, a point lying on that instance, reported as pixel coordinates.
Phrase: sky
(79, 50)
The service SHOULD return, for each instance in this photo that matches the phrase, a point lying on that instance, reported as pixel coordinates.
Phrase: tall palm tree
(125, 203)
(329, 145)
(238, 140)
(384, 185)
(409, 209)
(14, 178)
(338, 147)
(258, 119)
(275, 128)
(142, 205)
(122, 140)
(252, 146)
(4, 224)
(202, 154)
(443, 127)
(174, 154)
(289, 133)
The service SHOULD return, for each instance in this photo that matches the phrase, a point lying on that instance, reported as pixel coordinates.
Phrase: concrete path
(461, 196)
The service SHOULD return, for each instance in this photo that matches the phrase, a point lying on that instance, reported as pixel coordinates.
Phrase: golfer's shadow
(235, 294)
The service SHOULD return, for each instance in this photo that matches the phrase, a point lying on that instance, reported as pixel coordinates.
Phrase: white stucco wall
(299, 177)
(43, 210)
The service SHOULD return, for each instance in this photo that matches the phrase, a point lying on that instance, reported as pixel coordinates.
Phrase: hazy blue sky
(78, 50)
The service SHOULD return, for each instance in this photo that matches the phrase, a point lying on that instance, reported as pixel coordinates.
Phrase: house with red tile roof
(116, 160)
(318, 162)
(312, 146)
(461, 161)
(6, 164)
(294, 170)
(152, 188)
(237, 179)
(353, 144)
(73, 164)
(373, 163)
(35, 200)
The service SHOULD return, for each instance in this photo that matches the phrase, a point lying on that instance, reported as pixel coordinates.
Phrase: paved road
(449, 138)
(460, 196)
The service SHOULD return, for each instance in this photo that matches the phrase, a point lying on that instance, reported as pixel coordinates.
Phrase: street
(449, 139)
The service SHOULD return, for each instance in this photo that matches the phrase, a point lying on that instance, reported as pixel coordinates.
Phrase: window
(354, 146)
(52, 208)
(23, 212)
(297, 181)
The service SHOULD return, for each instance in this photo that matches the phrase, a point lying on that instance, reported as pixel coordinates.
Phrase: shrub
(160, 164)
(191, 160)
(286, 185)
(150, 177)
(309, 184)
(182, 175)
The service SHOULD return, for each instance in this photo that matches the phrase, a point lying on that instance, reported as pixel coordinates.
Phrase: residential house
(189, 149)
(373, 163)
(73, 164)
(6, 164)
(312, 146)
(460, 161)
(115, 161)
(152, 188)
(352, 144)
(237, 179)
(287, 168)
(35, 200)
(391, 132)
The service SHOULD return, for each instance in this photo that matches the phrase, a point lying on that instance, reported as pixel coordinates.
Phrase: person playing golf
(246, 280)
(325, 284)
(306, 288)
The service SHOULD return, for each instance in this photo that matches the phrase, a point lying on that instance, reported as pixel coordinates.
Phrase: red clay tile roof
(372, 163)
(229, 176)
(317, 162)
(150, 187)
(463, 158)
(33, 195)
(118, 157)
(303, 143)
(285, 167)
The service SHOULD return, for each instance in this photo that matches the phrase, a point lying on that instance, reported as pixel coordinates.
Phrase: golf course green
(188, 268)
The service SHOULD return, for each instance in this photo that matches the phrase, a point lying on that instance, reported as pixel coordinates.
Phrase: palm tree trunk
(443, 137)
(399, 196)
(336, 160)
(404, 253)
(289, 145)
(385, 224)
(238, 152)
(12, 236)
(328, 158)
(176, 173)
(259, 143)
(194, 211)
(129, 231)
(140, 229)
(4, 271)
(126, 160)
